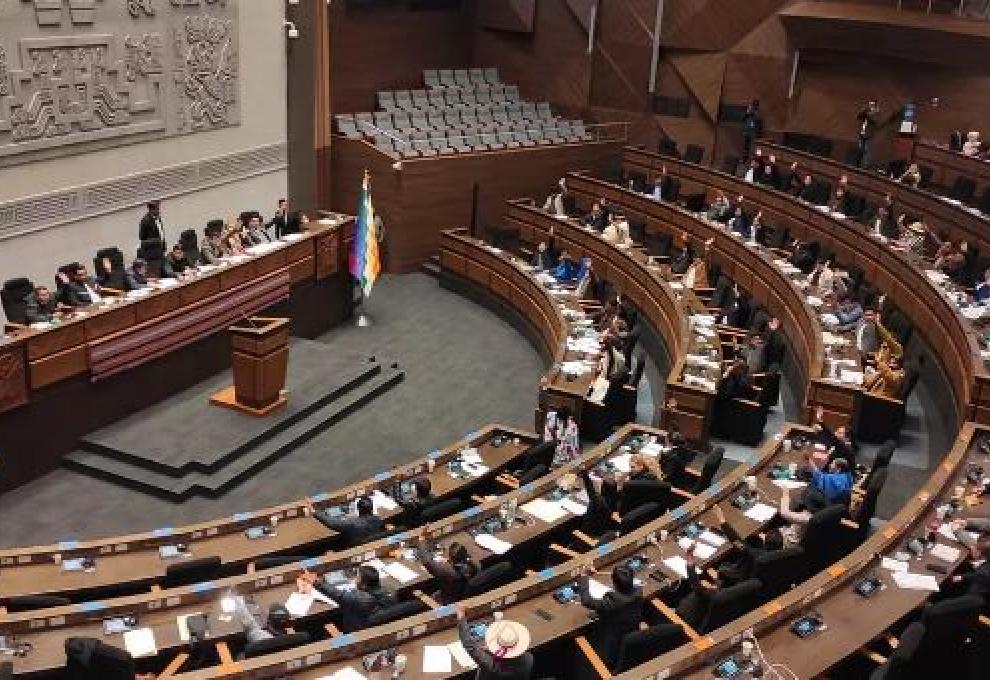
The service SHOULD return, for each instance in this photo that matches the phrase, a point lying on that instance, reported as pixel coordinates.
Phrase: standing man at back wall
(151, 226)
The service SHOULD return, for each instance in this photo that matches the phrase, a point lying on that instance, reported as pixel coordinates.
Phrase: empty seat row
(420, 100)
(483, 117)
(460, 77)
(421, 143)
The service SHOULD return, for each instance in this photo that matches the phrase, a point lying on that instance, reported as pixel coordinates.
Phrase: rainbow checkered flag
(365, 263)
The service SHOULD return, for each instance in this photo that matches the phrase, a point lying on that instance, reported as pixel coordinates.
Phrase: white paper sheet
(677, 564)
(401, 572)
(790, 484)
(298, 604)
(475, 469)
(493, 544)
(653, 450)
(909, 581)
(382, 502)
(703, 551)
(893, 565)
(140, 642)
(471, 456)
(436, 659)
(597, 589)
(621, 462)
(946, 530)
(460, 655)
(183, 624)
(544, 510)
(573, 507)
(945, 553)
(761, 512)
(711, 538)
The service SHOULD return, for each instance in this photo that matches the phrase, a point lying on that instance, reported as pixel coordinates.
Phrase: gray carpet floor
(464, 366)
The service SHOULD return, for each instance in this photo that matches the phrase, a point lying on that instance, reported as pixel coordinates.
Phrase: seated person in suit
(451, 572)
(911, 176)
(360, 599)
(255, 232)
(977, 581)
(809, 192)
(883, 224)
(41, 306)
(256, 625)
(278, 220)
(663, 185)
(739, 224)
(964, 530)
(137, 276)
(566, 269)
(683, 256)
(354, 529)
(674, 461)
(826, 486)
(982, 291)
(719, 210)
(795, 180)
(543, 257)
(738, 314)
(79, 289)
(176, 262)
(502, 654)
(888, 377)
(805, 256)
(951, 257)
(419, 498)
(598, 217)
(774, 345)
(850, 312)
(735, 382)
(619, 610)
(643, 468)
(769, 176)
(213, 246)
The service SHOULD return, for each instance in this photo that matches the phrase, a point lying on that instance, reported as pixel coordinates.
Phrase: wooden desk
(932, 315)
(130, 564)
(127, 353)
(947, 166)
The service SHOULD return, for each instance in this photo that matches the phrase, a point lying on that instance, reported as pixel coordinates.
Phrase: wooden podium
(260, 357)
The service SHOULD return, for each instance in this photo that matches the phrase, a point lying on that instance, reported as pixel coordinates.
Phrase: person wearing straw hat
(503, 654)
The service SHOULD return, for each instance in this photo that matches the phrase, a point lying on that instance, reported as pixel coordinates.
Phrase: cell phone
(118, 625)
(868, 587)
(566, 594)
(806, 625)
(256, 532)
(544, 614)
(728, 668)
(692, 530)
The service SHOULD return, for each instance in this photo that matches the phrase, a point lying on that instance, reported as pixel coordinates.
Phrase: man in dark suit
(41, 306)
(867, 119)
(597, 219)
(362, 599)
(543, 258)
(354, 529)
(418, 498)
(774, 345)
(752, 126)
(151, 226)
(619, 611)
(683, 258)
(78, 289)
(278, 219)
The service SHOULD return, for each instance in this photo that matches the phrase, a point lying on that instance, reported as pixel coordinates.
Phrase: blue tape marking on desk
(68, 544)
(341, 640)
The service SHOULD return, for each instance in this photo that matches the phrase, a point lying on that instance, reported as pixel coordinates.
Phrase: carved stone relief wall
(82, 74)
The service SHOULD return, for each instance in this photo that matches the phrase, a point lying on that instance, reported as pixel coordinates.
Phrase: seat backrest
(820, 537)
(278, 643)
(900, 664)
(444, 508)
(693, 153)
(26, 603)
(963, 189)
(640, 646)
(713, 461)
(488, 578)
(263, 563)
(12, 297)
(638, 492)
(779, 569)
(949, 622)
(396, 612)
(91, 659)
(193, 571)
(728, 604)
(532, 474)
(641, 515)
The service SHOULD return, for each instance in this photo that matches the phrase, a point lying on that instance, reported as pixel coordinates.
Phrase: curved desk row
(949, 165)
(754, 271)
(898, 274)
(131, 564)
(520, 600)
(852, 621)
(958, 221)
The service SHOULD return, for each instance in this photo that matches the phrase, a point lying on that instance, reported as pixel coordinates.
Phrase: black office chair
(112, 277)
(963, 189)
(713, 461)
(396, 612)
(638, 492)
(193, 571)
(490, 578)
(532, 474)
(91, 659)
(274, 561)
(26, 603)
(438, 511)
(694, 153)
(642, 515)
(539, 454)
(667, 147)
(13, 298)
(821, 538)
(279, 643)
(902, 662)
(190, 246)
(948, 626)
(723, 606)
(640, 646)
(778, 570)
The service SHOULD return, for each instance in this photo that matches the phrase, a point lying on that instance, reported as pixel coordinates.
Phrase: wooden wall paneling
(507, 15)
(623, 54)
(713, 25)
(13, 376)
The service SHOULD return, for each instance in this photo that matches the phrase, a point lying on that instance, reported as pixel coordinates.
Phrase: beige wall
(263, 124)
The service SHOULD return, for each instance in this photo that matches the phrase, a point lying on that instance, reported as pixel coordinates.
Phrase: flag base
(363, 320)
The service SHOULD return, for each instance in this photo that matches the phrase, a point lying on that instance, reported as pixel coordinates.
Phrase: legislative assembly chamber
(497, 339)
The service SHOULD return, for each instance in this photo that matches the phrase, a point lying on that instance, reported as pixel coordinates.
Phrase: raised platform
(185, 446)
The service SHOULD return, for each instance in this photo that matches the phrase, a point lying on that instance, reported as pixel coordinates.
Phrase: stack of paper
(597, 589)
(851, 377)
(400, 572)
(573, 507)
(140, 642)
(471, 456)
(909, 581)
(460, 654)
(653, 449)
(946, 530)
(677, 564)
(545, 510)
(436, 659)
(493, 544)
(298, 604)
(945, 553)
(789, 484)
(711, 538)
(475, 469)
(830, 319)
(815, 301)
(893, 565)
(621, 462)
(383, 503)
(761, 512)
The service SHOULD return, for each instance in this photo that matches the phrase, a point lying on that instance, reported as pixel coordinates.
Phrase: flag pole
(362, 320)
